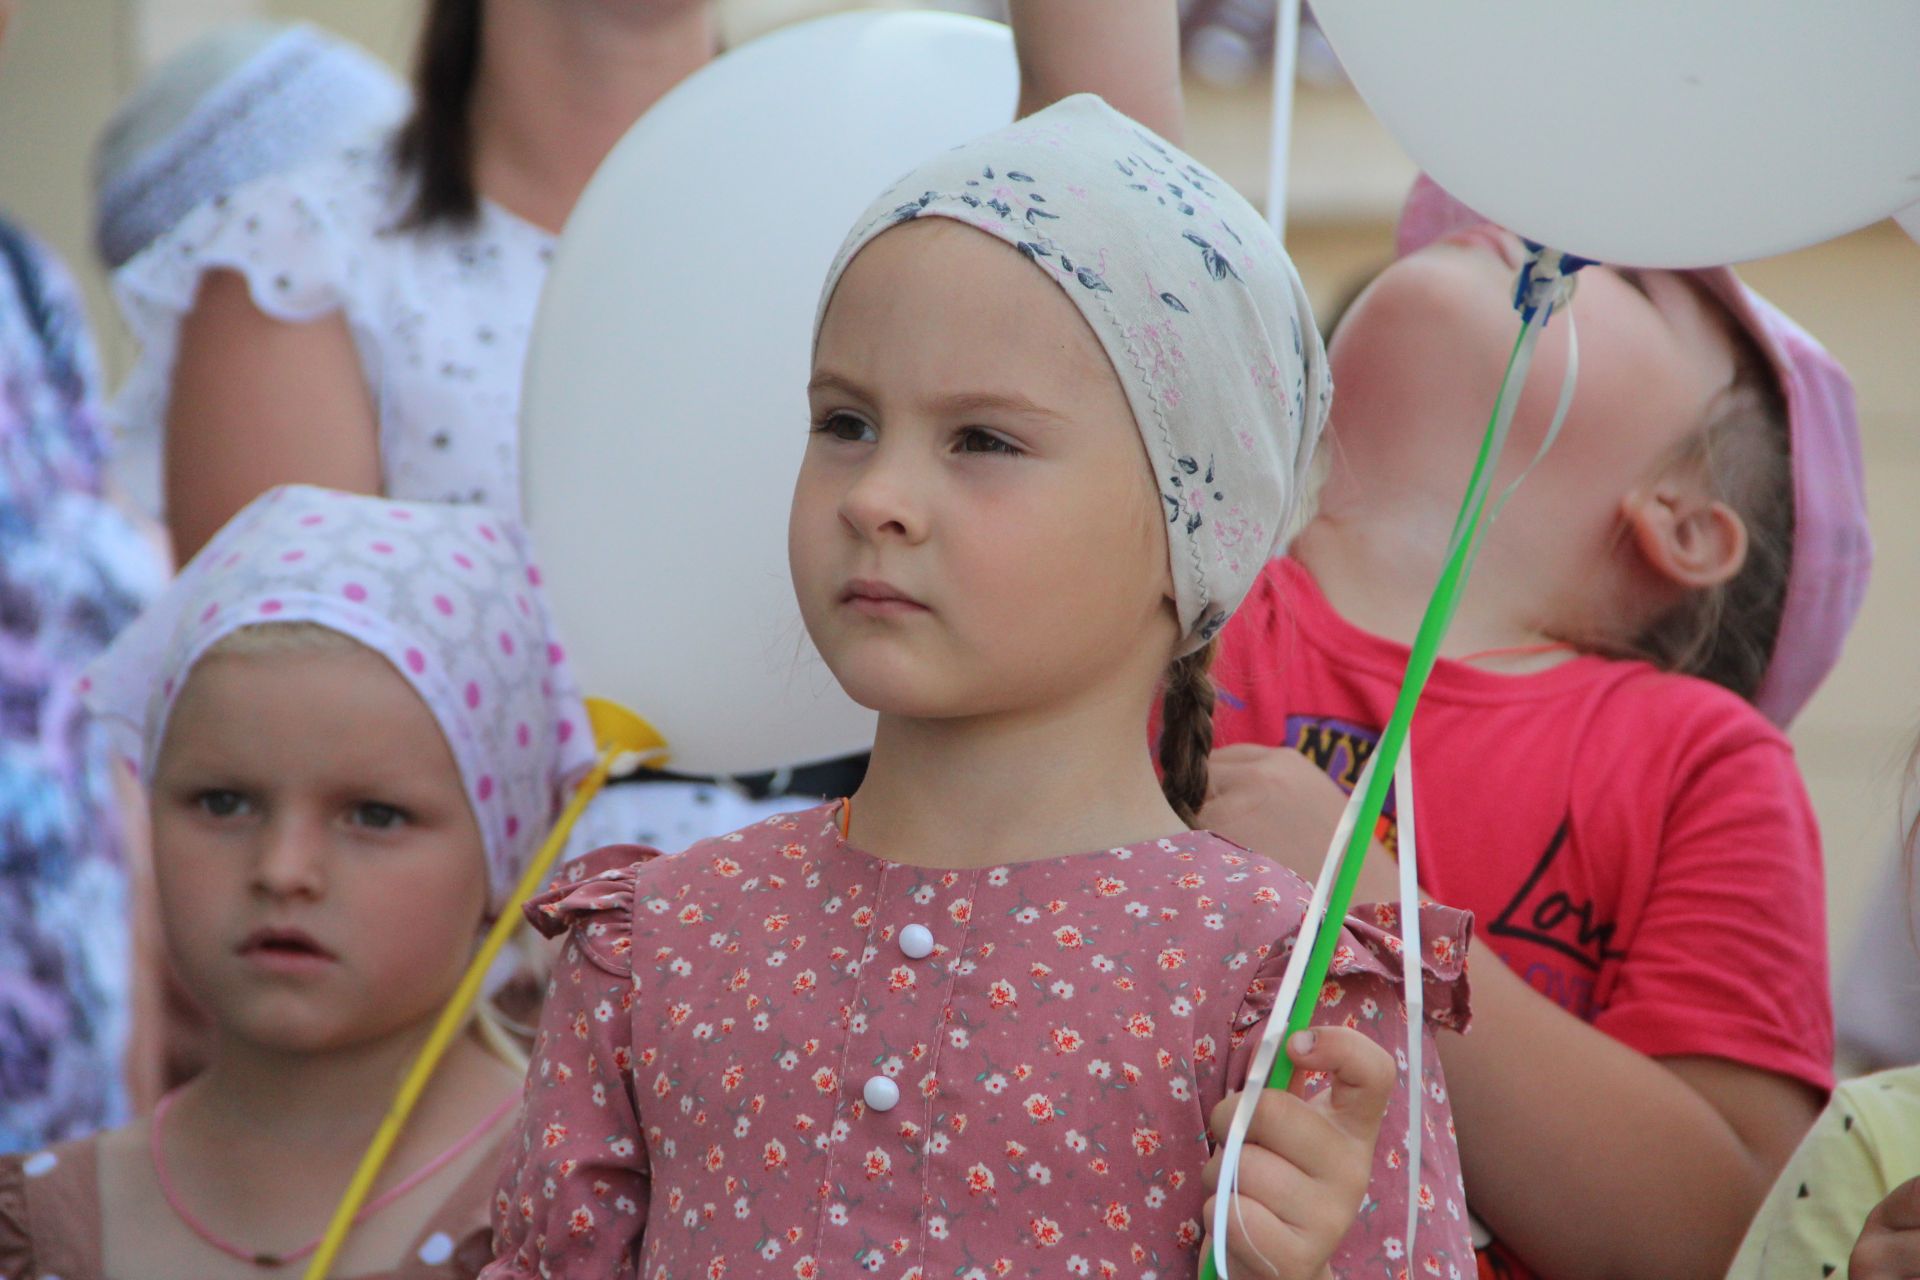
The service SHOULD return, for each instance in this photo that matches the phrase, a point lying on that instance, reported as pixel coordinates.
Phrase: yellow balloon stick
(621, 736)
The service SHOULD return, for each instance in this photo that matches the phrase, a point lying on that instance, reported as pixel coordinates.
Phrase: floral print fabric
(776, 1055)
(73, 571)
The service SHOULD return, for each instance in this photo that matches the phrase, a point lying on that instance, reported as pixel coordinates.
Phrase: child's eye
(222, 804)
(378, 817)
(845, 426)
(980, 440)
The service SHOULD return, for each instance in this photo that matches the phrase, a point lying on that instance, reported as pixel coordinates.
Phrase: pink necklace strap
(264, 1258)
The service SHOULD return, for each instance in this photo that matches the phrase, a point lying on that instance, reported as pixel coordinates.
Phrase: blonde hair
(281, 637)
(493, 1031)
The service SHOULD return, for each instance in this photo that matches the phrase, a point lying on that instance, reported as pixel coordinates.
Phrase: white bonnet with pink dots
(446, 594)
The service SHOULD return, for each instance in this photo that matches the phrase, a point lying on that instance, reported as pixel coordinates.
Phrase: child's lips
(879, 599)
(285, 950)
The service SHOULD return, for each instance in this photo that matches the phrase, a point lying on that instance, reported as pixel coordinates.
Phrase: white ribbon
(1274, 1034)
(1548, 290)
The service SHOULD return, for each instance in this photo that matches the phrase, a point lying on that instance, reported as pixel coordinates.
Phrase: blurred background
(69, 61)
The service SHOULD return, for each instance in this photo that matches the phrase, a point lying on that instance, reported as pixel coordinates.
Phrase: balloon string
(452, 1018)
(1545, 283)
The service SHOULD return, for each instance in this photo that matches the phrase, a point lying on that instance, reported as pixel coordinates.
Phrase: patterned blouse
(73, 571)
(777, 1055)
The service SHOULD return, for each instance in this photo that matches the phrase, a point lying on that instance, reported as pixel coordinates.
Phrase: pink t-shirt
(1637, 845)
(774, 1055)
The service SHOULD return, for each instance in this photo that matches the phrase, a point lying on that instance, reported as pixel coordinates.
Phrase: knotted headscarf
(446, 594)
(1196, 304)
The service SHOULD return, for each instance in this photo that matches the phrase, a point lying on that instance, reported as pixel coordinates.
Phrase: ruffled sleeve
(1369, 950)
(301, 240)
(1364, 991)
(573, 1199)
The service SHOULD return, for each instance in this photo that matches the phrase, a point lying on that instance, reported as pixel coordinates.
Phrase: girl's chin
(893, 685)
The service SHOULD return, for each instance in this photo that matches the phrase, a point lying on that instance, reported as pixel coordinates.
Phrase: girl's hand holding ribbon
(1305, 1167)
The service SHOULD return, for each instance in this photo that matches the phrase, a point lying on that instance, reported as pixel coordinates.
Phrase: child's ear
(1689, 539)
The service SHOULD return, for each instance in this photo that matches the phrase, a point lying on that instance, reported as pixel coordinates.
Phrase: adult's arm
(257, 402)
(1127, 51)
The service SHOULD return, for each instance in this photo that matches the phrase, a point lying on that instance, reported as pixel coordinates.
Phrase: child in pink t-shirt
(1599, 784)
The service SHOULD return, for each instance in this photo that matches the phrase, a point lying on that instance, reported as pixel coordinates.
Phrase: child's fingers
(1889, 1245)
(1259, 1244)
(1240, 753)
(1900, 1211)
(1293, 1129)
(1362, 1076)
(1885, 1255)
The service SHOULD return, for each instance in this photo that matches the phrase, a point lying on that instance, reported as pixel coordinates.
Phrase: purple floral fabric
(73, 571)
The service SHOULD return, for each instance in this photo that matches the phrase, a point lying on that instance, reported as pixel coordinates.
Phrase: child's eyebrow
(958, 404)
(962, 403)
(835, 382)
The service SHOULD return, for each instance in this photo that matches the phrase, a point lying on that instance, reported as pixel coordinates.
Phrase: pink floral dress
(776, 1055)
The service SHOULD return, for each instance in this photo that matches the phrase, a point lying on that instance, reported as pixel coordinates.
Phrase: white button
(881, 1093)
(916, 941)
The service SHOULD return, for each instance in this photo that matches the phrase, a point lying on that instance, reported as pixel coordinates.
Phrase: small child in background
(1848, 1203)
(1601, 785)
(355, 725)
(980, 1019)
(246, 100)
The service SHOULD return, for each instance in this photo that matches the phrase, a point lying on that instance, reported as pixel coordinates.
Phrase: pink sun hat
(1832, 548)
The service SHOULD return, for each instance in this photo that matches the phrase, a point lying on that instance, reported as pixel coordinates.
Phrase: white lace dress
(441, 320)
(440, 317)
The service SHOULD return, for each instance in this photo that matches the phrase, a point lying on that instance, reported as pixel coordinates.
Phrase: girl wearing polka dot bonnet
(354, 725)
(977, 1020)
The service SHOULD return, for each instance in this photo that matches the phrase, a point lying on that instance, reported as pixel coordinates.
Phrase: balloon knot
(1546, 281)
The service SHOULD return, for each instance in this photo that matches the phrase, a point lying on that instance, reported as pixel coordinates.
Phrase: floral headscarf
(1194, 301)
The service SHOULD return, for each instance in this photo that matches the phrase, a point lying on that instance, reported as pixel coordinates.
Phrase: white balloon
(1665, 133)
(666, 413)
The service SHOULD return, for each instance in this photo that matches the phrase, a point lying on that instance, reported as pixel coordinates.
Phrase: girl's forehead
(279, 707)
(936, 282)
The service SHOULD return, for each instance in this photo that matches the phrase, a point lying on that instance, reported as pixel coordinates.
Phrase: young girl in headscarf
(355, 724)
(975, 1021)
(1600, 781)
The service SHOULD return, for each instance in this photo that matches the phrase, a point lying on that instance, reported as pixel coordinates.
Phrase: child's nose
(292, 859)
(887, 498)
